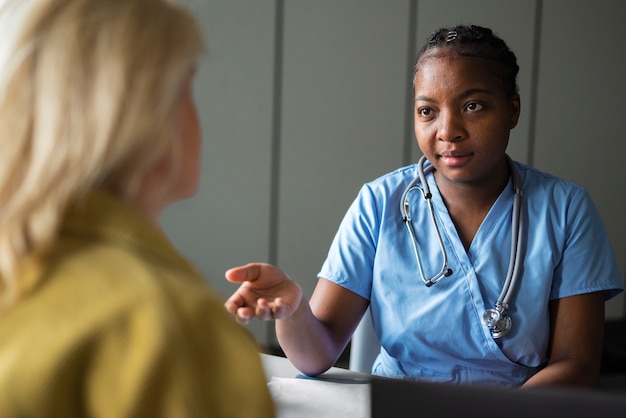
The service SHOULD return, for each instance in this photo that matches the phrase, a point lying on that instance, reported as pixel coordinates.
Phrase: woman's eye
(424, 111)
(472, 107)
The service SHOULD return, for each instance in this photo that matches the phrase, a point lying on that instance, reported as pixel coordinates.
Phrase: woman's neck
(469, 203)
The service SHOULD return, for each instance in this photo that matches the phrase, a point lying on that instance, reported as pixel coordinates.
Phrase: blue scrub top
(436, 333)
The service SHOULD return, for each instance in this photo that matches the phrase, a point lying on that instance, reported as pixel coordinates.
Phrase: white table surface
(336, 393)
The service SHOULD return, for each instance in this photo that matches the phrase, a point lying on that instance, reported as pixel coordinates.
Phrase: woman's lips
(452, 159)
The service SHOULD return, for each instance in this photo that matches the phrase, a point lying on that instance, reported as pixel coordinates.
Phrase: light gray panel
(345, 85)
(581, 107)
(513, 21)
(227, 223)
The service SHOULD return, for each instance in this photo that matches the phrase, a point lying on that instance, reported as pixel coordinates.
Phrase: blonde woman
(100, 315)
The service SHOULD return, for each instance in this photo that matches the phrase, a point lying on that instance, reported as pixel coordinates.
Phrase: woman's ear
(515, 110)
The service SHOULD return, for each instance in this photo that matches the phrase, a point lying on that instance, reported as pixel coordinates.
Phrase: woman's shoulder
(168, 321)
(400, 174)
(100, 283)
(538, 181)
(391, 182)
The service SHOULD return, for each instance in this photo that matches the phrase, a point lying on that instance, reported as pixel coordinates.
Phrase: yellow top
(120, 325)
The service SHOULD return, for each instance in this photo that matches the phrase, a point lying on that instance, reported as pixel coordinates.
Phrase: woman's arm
(576, 338)
(316, 335)
(312, 335)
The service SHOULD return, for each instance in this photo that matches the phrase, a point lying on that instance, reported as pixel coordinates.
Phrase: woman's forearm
(306, 341)
(567, 372)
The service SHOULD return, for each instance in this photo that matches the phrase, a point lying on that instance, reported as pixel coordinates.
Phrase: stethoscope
(497, 318)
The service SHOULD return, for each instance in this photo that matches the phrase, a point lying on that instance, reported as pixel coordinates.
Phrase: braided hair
(475, 41)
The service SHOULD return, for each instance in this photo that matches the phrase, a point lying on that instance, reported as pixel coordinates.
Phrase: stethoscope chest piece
(498, 321)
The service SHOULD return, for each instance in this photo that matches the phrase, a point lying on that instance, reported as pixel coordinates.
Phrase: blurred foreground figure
(100, 315)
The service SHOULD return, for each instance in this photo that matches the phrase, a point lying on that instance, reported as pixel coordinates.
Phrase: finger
(244, 315)
(249, 272)
(263, 310)
(234, 302)
(279, 310)
(230, 306)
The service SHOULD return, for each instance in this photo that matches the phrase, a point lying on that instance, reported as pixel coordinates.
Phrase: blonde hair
(88, 93)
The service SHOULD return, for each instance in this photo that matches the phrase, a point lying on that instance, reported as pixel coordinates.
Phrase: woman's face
(176, 175)
(190, 144)
(463, 116)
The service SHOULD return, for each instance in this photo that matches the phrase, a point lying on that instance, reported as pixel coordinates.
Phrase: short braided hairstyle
(475, 41)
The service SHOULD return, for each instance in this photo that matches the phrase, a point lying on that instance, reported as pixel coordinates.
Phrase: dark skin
(462, 122)
(462, 119)
(312, 334)
(463, 116)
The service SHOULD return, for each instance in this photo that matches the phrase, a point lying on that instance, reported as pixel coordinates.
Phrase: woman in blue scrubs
(466, 103)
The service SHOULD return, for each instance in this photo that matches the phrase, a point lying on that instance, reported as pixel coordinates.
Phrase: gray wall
(302, 101)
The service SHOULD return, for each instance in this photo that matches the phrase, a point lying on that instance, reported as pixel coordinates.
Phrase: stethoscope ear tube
(404, 210)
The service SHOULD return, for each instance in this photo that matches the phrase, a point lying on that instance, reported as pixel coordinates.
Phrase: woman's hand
(265, 293)
(312, 336)
(576, 335)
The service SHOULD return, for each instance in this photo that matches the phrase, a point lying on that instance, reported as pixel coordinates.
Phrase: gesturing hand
(265, 292)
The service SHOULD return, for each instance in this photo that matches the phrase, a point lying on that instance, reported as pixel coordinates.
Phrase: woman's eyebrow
(471, 92)
(462, 95)
(423, 98)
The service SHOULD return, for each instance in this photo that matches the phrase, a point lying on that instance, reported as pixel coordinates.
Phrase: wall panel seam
(534, 84)
(275, 161)
(409, 135)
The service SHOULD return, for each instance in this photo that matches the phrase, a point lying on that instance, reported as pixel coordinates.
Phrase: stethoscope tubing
(510, 284)
(444, 271)
(516, 243)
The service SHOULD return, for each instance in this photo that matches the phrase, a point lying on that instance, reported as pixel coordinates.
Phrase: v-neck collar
(501, 208)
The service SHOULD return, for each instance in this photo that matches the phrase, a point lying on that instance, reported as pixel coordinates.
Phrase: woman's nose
(450, 127)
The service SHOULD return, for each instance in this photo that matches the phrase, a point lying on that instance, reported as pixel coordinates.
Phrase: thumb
(246, 273)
